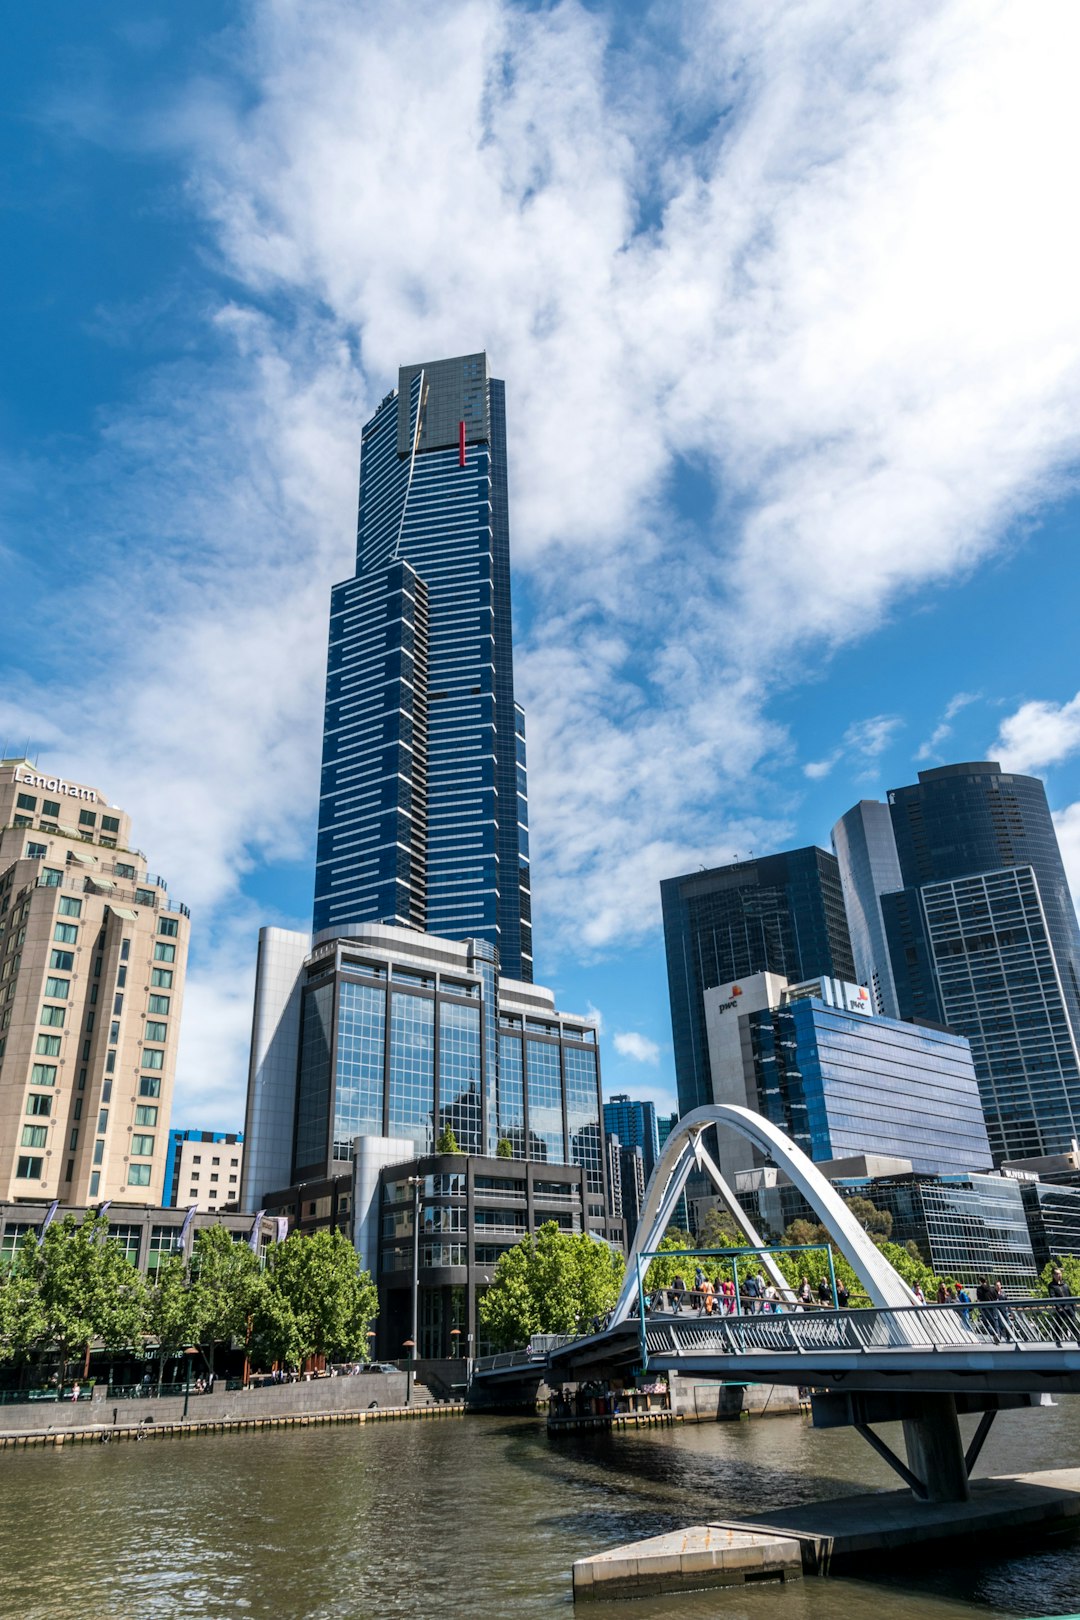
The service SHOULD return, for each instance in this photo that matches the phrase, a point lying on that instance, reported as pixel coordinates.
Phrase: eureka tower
(423, 809)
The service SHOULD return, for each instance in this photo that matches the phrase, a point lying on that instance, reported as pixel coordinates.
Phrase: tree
(226, 1289)
(170, 1314)
(719, 1230)
(505, 1148)
(663, 1270)
(22, 1315)
(447, 1142)
(878, 1222)
(555, 1282)
(1070, 1266)
(88, 1289)
(319, 1302)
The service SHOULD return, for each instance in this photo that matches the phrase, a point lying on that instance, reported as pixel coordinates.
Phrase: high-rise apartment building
(981, 936)
(865, 848)
(92, 960)
(634, 1123)
(203, 1170)
(781, 914)
(423, 811)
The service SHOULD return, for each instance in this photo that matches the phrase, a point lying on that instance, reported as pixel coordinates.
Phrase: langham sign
(55, 784)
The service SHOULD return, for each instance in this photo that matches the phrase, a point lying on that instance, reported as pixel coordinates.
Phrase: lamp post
(455, 1347)
(415, 1182)
(188, 1353)
(410, 1346)
(370, 1346)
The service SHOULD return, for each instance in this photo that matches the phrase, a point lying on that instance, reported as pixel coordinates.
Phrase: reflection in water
(480, 1518)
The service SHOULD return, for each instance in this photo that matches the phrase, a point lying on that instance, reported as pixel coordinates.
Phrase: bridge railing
(1008, 1324)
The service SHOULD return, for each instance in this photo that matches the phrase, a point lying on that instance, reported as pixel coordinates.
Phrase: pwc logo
(864, 994)
(735, 990)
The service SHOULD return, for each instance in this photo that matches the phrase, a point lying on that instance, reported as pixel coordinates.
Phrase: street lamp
(370, 1347)
(415, 1182)
(188, 1353)
(455, 1334)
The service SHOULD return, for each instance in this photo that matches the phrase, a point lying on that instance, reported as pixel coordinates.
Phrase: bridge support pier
(935, 1450)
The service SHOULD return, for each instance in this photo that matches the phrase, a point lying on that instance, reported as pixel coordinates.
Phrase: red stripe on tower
(461, 444)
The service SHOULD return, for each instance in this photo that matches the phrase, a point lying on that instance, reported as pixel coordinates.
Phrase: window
(43, 1074)
(89, 1025)
(110, 1061)
(232, 1178)
(22, 821)
(73, 1141)
(28, 1169)
(87, 818)
(162, 977)
(65, 933)
(99, 1152)
(54, 1016)
(159, 1004)
(82, 1081)
(62, 961)
(49, 807)
(70, 1171)
(196, 1158)
(215, 1161)
(125, 949)
(69, 906)
(77, 1111)
(142, 1147)
(114, 1032)
(121, 978)
(145, 1114)
(149, 1085)
(163, 952)
(213, 1174)
(50, 878)
(124, 871)
(48, 1046)
(194, 1177)
(106, 1092)
(37, 852)
(139, 1175)
(152, 1058)
(35, 1135)
(168, 925)
(110, 824)
(26, 801)
(110, 843)
(57, 988)
(155, 1032)
(37, 1104)
(118, 1005)
(103, 1121)
(145, 897)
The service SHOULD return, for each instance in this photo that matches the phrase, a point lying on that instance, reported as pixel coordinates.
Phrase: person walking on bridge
(678, 1289)
(1065, 1315)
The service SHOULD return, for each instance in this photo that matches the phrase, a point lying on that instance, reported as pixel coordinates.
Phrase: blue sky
(785, 300)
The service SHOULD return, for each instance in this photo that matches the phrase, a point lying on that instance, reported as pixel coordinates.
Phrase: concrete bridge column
(935, 1450)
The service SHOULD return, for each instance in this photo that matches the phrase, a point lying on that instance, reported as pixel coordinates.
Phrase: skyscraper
(423, 811)
(780, 914)
(982, 936)
(634, 1123)
(865, 848)
(92, 959)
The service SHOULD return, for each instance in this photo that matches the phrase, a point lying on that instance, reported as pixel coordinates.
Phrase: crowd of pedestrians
(758, 1295)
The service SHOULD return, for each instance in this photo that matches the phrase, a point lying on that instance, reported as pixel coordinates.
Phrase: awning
(122, 911)
(84, 860)
(103, 883)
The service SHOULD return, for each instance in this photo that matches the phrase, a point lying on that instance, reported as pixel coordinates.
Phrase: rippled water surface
(480, 1517)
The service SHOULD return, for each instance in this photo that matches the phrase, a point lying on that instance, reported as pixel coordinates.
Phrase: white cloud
(930, 749)
(595, 1017)
(863, 742)
(1067, 823)
(852, 304)
(1039, 734)
(640, 1048)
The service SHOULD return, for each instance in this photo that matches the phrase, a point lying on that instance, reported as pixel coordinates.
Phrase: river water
(479, 1517)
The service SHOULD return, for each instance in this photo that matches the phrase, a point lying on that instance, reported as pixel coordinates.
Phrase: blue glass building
(842, 1084)
(423, 818)
(781, 914)
(635, 1124)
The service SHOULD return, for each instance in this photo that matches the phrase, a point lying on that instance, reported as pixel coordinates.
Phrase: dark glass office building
(634, 1123)
(780, 914)
(983, 937)
(423, 818)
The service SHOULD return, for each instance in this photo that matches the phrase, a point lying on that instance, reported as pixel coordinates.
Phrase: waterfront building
(865, 850)
(92, 959)
(423, 811)
(634, 1123)
(840, 1081)
(202, 1169)
(383, 1037)
(148, 1234)
(781, 914)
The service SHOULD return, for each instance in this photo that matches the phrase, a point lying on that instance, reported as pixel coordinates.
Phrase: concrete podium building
(92, 960)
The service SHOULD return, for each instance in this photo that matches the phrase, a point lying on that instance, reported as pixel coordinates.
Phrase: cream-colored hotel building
(92, 958)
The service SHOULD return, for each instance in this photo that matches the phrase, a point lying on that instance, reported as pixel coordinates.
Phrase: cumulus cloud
(863, 742)
(931, 748)
(1039, 734)
(640, 1048)
(815, 251)
(1067, 824)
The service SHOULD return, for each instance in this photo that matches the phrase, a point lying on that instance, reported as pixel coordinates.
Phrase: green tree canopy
(226, 1289)
(23, 1323)
(505, 1149)
(555, 1282)
(170, 1313)
(446, 1141)
(319, 1302)
(88, 1289)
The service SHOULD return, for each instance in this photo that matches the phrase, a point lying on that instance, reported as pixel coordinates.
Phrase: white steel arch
(684, 1150)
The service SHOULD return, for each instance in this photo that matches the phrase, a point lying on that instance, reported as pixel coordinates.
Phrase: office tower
(203, 1170)
(92, 959)
(423, 818)
(665, 1124)
(840, 1081)
(983, 938)
(780, 914)
(384, 1035)
(634, 1123)
(865, 849)
(633, 1182)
